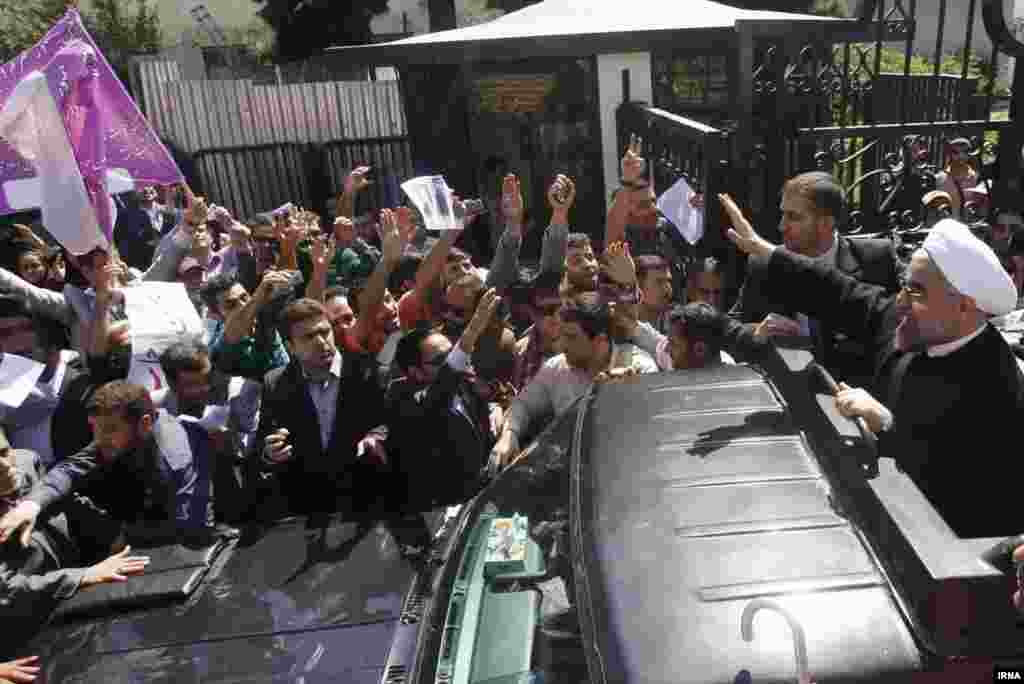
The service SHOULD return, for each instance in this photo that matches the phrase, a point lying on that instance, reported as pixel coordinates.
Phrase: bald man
(944, 381)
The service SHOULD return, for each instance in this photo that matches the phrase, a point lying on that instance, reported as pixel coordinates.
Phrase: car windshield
(511, 612)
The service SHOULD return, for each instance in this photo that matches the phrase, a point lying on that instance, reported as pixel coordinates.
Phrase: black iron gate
(855, 107)
(869, 100)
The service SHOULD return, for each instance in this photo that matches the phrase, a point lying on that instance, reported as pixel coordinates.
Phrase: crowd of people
(369, 369)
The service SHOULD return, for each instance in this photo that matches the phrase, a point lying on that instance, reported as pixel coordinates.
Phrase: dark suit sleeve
(860, 310)
(66, 476)
(33, 597)
(750, 306)
(878, 263)
(739, 341)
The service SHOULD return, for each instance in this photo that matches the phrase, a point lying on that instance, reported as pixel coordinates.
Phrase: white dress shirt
(324, 394)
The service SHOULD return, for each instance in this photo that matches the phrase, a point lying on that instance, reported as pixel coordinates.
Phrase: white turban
(971, 267)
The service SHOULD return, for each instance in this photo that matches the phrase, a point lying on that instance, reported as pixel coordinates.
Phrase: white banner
(159, 314)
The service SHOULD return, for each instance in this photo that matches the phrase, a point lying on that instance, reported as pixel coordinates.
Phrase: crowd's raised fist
(633, 164)
(356, 180)
(512, 199)
(562, 193)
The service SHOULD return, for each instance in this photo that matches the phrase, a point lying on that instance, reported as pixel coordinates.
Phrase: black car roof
(279, 606)
(700, 501)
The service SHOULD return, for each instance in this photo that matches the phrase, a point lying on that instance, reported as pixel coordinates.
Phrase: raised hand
(512, 200)
(742, 233)
(116, 568)
(240, 235)
(391, 242)
(196, 209)
(271, 282)
(619, 264)
(562, 193)
(322, 252)
(633, 164)
(406, 224)
(485, 309)
(356, 180)
(107, 279)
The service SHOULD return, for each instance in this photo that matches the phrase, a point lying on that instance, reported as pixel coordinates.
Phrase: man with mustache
(943, 375)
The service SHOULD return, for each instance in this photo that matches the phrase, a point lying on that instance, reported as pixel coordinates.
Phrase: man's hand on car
(276, 448)
(20, 671)
(506, 448)
(21, 517)
(117, 568)
(855, 402)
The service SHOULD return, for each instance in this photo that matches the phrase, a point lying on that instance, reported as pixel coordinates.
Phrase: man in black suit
(944, 377)
(441, 430)
(315, 414)
(813, 208)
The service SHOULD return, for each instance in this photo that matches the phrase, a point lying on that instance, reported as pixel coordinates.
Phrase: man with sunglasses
(944, 376)
(442, 426)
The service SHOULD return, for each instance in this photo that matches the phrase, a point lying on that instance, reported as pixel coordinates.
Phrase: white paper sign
(215, 418)
(433, 198)
(674, 203)
(159, 314)
(18, 376)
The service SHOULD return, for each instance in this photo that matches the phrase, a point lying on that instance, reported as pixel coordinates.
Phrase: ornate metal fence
(854, 108)
(677, 147)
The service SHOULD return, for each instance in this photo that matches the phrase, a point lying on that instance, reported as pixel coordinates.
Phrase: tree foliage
(119, 27)
(303, 28)
(24, 22)
(893, 61)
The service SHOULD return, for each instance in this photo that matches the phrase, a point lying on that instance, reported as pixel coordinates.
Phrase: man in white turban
(947, 395)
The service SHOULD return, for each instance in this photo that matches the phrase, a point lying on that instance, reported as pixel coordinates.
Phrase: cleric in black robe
(947, 393)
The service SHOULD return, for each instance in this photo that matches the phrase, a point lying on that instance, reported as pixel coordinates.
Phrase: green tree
(24, 22)
(303, 28)
(121, 31)
(831, 8)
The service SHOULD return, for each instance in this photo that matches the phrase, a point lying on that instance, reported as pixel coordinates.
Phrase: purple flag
(70, 135)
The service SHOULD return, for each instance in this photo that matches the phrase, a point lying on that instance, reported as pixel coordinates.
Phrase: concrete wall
(609, 90)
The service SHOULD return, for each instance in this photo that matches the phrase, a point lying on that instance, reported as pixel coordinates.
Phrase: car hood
(277, 605)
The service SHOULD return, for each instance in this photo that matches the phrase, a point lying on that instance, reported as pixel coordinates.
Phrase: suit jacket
(953, 415)
(163, 485)
(31, 579)
(318, 480)
(439, 450)
(871, 261)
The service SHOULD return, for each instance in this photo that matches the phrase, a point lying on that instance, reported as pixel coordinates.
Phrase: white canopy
(577, 26)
